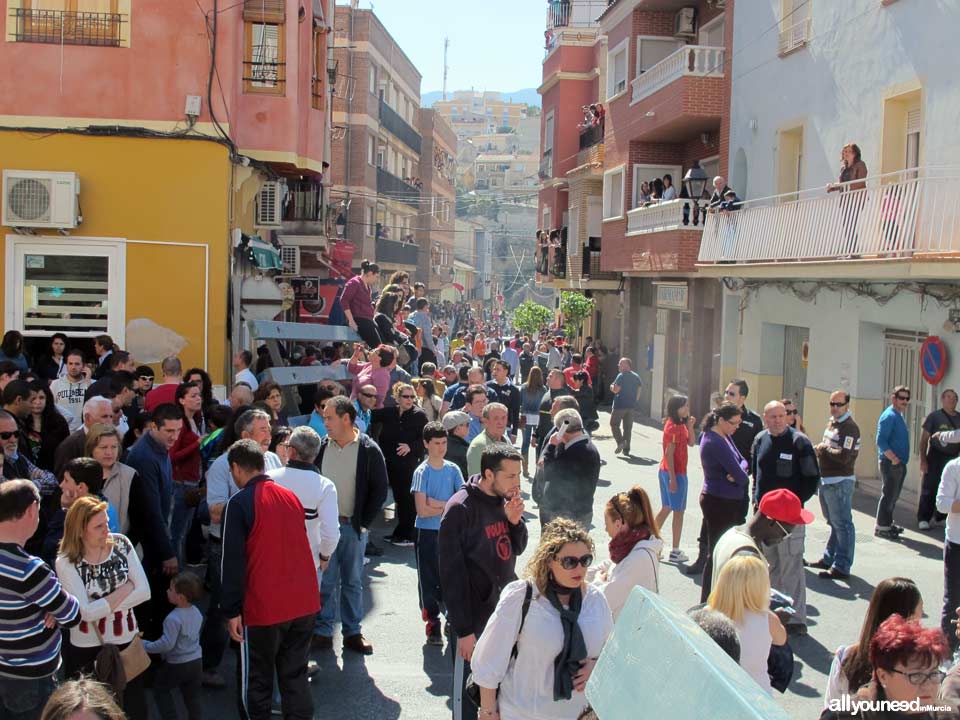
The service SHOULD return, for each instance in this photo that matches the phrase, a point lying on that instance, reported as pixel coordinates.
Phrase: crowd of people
(128, 504)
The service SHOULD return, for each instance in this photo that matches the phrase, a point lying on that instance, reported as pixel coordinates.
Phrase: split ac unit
(685, 23)
(270, 204)
(36, 199)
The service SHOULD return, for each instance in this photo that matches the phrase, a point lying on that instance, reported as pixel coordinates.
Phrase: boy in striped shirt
(33, 608)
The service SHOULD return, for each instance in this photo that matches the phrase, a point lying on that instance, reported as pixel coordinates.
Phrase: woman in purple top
(725, 480)
(376, 371)
(357, 304)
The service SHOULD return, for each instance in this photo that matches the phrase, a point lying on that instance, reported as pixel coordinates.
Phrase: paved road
(406, 679)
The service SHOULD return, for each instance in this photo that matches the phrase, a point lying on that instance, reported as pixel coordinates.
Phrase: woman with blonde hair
(102, 570)
(635, 546)
(743, 595)
(541, 643)
(82, 700)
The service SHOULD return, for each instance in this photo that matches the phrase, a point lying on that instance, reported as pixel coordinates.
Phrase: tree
(533, 111)
(575, 309)
(530, 318)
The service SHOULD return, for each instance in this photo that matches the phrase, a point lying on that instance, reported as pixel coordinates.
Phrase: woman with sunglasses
(566, 625)
(401, 439)
(793, 416)
(635, 546)
(743, 595)
(906, 660)
(725, 479)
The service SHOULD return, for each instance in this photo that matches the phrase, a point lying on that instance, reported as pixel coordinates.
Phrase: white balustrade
(897, 215)
(689, 61)
(661, 216)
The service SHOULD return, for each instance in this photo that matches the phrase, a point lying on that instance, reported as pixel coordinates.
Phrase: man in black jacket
(97, 409)
(508, 394)
(355, 465)
(571, 468)
(556, 386)
(481, 534)
(784, 458)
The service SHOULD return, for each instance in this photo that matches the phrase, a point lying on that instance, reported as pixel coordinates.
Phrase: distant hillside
(530, 96)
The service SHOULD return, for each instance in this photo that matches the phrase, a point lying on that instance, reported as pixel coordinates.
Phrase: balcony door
(652, 50)
(790, 160)
(711, 34)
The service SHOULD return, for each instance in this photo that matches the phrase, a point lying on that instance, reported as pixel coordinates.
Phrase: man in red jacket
(265, 547)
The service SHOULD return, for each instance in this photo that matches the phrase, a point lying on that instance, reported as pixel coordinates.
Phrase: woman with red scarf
(635, 546)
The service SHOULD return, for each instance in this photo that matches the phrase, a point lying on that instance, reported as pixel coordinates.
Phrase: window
(76, 288)
(902, 147)
(789, 160)
(613, 194)
(651, 50)
(548, 126)
(371, 220)
(912, 159)
(617, 69)
(794, 25)
(318, 86)
(371, 149)
(373, 78)
(100, 23)
(264, 68)
(711, 34)
(647, 173)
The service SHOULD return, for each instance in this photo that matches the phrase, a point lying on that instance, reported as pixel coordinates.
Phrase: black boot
(697, 567)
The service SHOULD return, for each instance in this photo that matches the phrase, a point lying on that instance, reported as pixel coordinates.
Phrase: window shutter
(271, 11)
(913, 121)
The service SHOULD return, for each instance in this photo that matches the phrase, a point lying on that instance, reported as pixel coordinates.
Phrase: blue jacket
(892, 434)
(152, 463)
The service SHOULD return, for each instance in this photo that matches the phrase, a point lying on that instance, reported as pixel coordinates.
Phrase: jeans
(341, 589)
(182, 517)
(23, 699)
(836, 501)
(626, 417)
(951, 592)
(213, 637)
(527, 434)
(892, 477)
(184, 677)
(428, 575)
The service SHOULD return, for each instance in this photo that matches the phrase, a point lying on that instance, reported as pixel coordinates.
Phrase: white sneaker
(366, 561)
(923, 525)
(678, 556)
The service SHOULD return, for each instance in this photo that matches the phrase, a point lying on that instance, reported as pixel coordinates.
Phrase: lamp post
(695, 181)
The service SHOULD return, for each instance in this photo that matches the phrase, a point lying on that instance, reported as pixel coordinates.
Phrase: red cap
(783, 505)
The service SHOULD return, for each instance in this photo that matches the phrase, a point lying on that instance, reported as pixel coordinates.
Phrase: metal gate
(901, 366)
(794, 367)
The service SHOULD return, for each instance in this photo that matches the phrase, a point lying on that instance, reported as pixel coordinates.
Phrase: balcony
(688, 61)
(398, 127)
(574, 13)
(907, 215)
(396, 189)
(590, 136)
(395, 252)
(669, 215)
(66, 27)
(794, 37)
(305, 200)
(590, 269)
(546, 165)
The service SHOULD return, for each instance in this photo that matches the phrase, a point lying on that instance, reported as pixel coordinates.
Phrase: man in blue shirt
(476, 401)
(434, 482)
(893, 448)
(626, 393)
(365, 402)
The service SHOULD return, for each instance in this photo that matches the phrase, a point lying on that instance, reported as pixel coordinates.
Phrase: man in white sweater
(317, 494)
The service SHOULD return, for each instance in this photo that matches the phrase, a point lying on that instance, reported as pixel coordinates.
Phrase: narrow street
(405, 678)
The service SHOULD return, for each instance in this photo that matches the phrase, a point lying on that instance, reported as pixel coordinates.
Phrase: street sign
(933, 359)
(672, 295)
(304, 288)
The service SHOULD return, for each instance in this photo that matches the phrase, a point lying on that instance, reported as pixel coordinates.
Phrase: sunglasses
(901, 397)
(369, 395)
(730, 393)
(791, 412)
(833, 404)
(569, 562)
(782, 528)
(7, 435)
(146, 378)
(408, 397)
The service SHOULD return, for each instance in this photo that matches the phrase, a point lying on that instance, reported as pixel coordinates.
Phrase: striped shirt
(29, 590)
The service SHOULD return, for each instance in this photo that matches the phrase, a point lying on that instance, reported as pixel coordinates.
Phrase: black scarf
(574, 650)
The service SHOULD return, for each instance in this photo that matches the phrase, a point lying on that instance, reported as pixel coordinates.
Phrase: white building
(838, 290)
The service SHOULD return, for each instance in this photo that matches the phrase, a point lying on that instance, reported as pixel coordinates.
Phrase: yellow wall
(161, 190)
(816, 412)
(763, 388)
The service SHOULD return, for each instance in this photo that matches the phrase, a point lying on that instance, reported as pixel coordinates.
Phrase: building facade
(115, 183)
(838, 290)
(476, 113)
(435, 266)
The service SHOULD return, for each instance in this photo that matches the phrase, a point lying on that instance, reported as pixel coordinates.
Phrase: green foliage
(575, 308)
(530, 317)
(533, 111)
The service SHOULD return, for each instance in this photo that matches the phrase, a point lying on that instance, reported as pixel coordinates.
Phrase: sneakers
(678, 556)
(923, 525)
(434, 636)
(887, 533)
(398, 542)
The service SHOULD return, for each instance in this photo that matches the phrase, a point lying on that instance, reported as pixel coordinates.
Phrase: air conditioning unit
(270, 203)
(35, 199)
(685, 23)
(290, 259)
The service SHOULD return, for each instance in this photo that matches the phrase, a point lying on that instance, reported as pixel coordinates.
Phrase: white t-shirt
(246, 376)
(68, 395)
(755, 642)
(617, 580)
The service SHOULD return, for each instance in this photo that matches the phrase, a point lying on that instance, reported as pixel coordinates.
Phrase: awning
(264, 255)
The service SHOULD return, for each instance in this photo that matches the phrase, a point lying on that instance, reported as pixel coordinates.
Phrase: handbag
(472, 690)
(780, 666)
(133, 661)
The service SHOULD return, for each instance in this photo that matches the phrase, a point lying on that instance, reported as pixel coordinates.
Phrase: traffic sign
(933, 360)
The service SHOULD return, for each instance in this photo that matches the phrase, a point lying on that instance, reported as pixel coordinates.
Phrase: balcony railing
(590, 136)
(68, 27)
(795, 36)
(396, 252)
(304, 200)
(669, 215)
(574, 13)
(688, 61)
(895, 216)
(591, 267)
(397, 126)
(396, 189)
(546, 165)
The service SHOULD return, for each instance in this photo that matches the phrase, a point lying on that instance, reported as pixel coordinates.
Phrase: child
(180, 647)
(434, 482)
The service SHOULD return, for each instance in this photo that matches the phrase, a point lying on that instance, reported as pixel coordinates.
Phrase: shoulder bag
(472, 690)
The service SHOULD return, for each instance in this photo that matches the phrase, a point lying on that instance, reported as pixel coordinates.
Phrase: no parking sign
(933, 359)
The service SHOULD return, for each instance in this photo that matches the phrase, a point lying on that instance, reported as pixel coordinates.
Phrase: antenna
(446, 48)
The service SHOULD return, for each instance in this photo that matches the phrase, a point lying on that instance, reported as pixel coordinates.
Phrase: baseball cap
(454, 419)
(784, 505)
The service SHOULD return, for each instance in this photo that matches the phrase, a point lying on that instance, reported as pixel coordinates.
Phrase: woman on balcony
(669, 191)
(853, 173)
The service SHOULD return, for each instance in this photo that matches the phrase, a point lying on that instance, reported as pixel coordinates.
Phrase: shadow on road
(853, 588)
(631, 460)
(347, 691)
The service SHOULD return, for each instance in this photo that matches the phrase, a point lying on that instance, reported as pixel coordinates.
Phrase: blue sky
(494, 44)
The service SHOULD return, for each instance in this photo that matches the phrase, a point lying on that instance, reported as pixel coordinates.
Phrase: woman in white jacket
(635, 547)
(558, 640)
(102, 570)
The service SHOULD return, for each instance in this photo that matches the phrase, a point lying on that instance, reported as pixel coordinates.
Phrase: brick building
(438, 171)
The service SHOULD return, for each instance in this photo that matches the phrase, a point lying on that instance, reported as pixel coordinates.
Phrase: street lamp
(695, 181)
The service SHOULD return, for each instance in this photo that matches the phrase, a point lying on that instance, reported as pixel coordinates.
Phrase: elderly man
(784, 458)
(495, 417)
(97, 409)
(571, 466)
(720, 189)
(16, 464)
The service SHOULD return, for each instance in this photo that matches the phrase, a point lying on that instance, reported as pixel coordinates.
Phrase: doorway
(795, 364)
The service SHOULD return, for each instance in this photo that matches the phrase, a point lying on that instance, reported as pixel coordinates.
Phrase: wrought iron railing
(398, 127)
(396, 189)
(304, 201)
(591, 135)
(68, 27)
